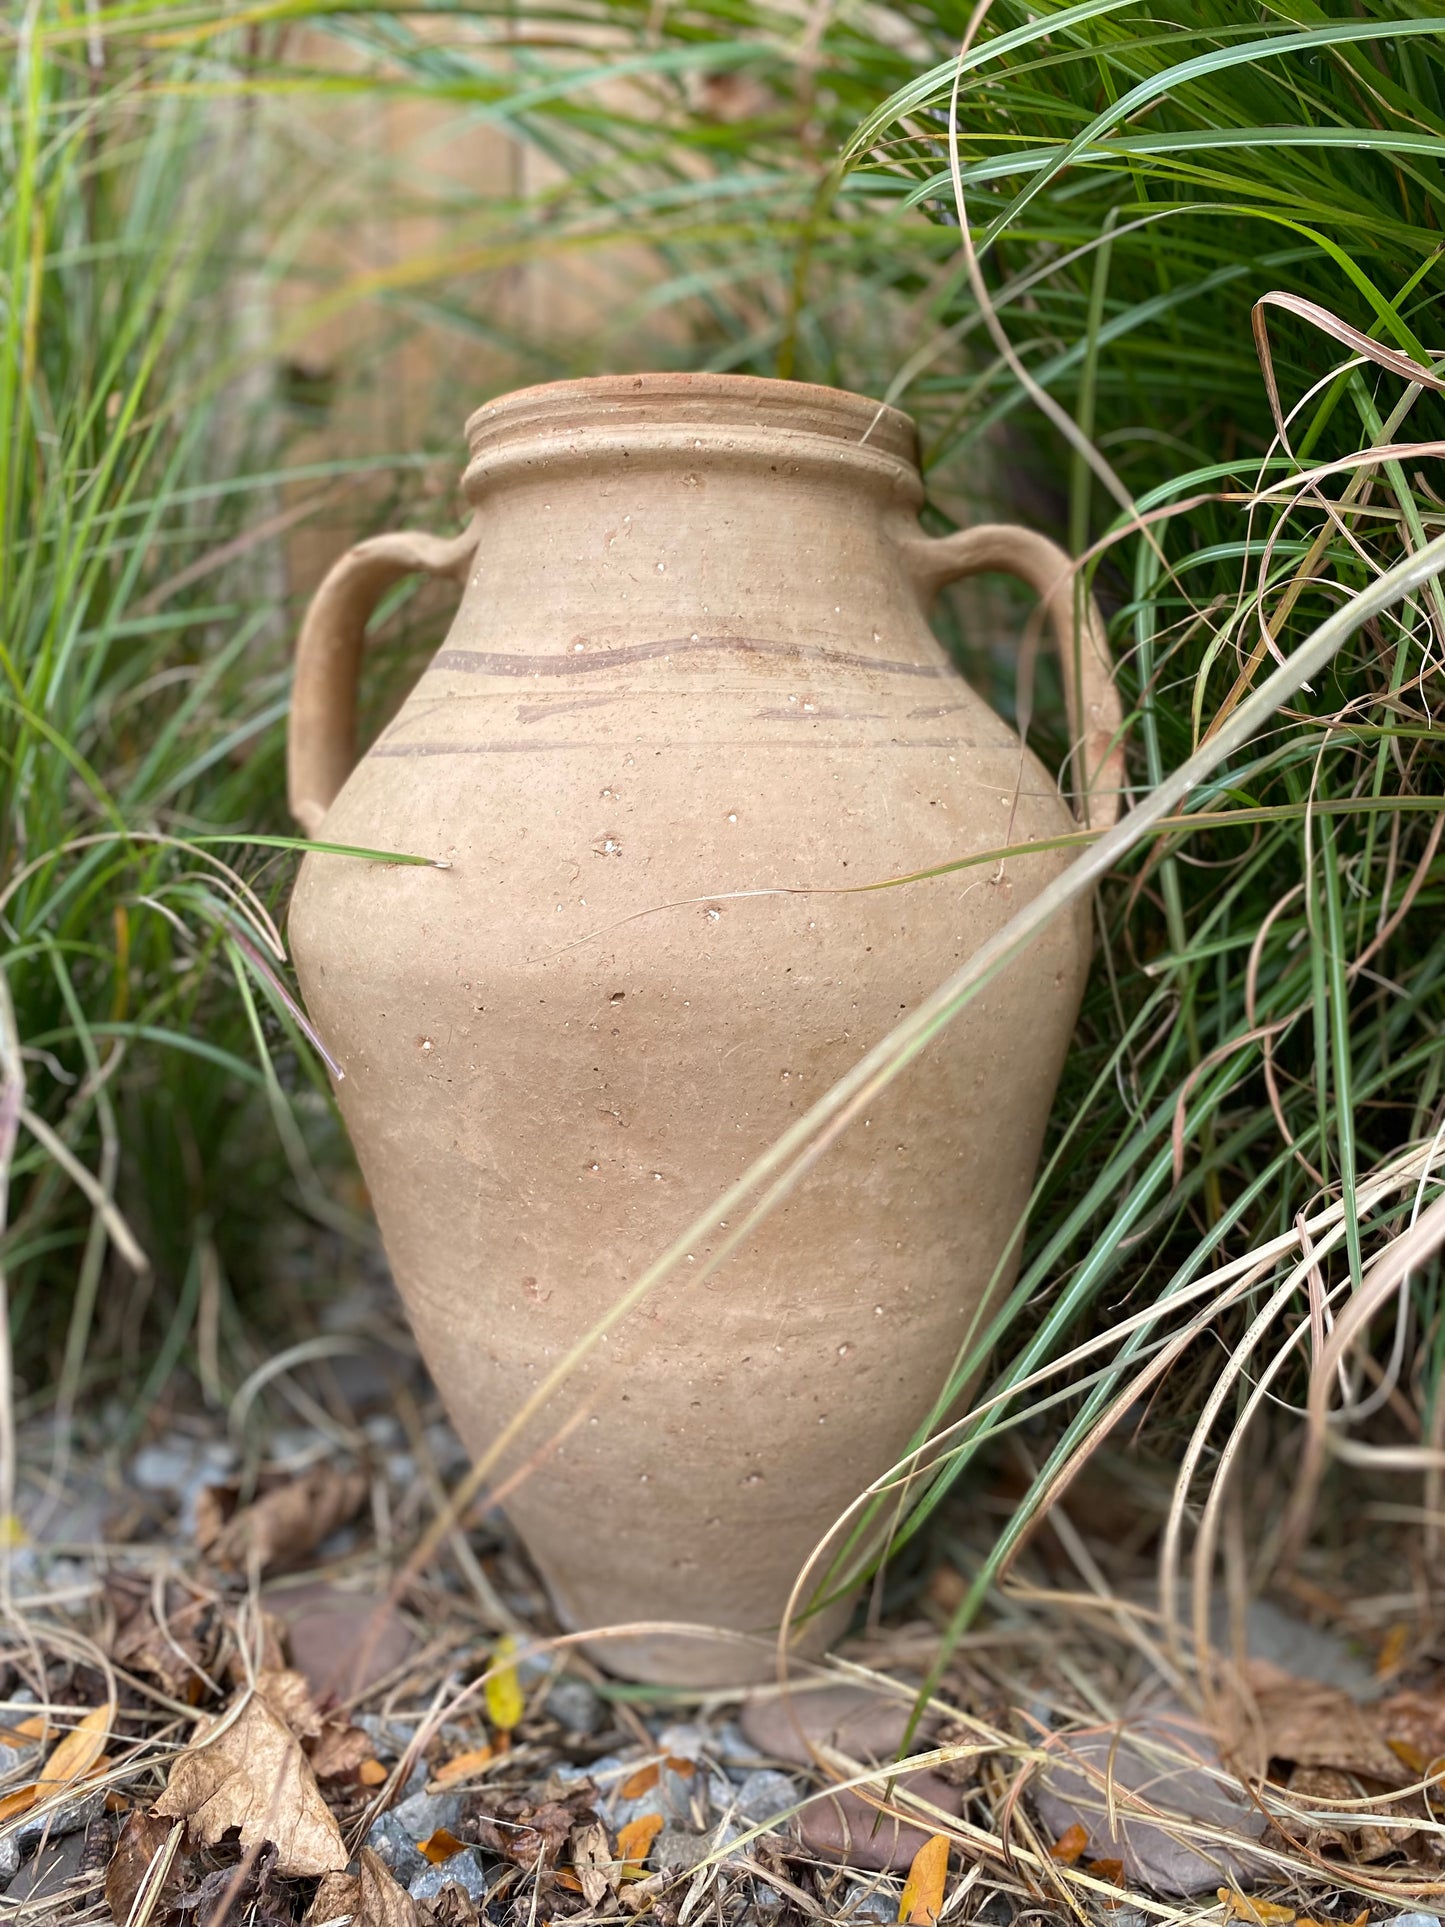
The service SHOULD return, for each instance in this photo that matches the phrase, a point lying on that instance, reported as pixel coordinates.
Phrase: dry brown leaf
(921, 1901)
(592, 1860)
(289, 1698)
(1263, 1913)
(1415, 1720)
(341, 1751)
(453, 1907)
(177, 1649)
(526, 1832)
(146, 1849)
(1070, 1846)
(634, 1842)
(1310, 1724)
(462, 1766)
(1350, 1832)
(383, 1903)
(339, 1894)
(284, 1525)
(640, 1782)
(253, 1775)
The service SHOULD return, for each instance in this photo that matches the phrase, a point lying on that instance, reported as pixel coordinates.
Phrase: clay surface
(690, 699)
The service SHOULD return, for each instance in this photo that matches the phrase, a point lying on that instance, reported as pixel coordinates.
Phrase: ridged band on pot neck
(626, 418)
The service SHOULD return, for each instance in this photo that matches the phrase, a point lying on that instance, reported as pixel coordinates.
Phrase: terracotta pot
(692, 662)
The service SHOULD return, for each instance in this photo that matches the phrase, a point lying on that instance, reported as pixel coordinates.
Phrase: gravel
(466, 1870)
(391, 1840)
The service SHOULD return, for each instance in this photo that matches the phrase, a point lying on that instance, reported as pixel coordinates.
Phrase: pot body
(690, 697)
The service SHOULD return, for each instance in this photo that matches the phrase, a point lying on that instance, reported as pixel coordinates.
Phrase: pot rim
(705, 404)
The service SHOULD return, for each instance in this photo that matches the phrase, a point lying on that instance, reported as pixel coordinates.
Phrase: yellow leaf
(640, 1782)
(463, 1766)
(78, 1752)
(505, 1704)
(922, 1897)
(37, 1727)
(12, 1532)
(20, 1801)
(1070, 1845)
(1264, 1913)
(441, 1846)
(372, 1773)
(1392, 1650)
(635, 1840)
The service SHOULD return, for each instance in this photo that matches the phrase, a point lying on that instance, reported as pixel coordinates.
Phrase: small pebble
(56, 1823)
(9, 1859)
(678, 1850)
(54, 1868)
(1411, 1920)
(466, 1870)
(575, 1707)
(422, 1813)
(766, 1794)
(391, 1840)
(874, 1906)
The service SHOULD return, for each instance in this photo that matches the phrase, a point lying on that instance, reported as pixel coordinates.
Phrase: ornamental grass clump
(1166, 279)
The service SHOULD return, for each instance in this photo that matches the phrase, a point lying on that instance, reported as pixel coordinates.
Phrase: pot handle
(321, 737)
(1095, 712)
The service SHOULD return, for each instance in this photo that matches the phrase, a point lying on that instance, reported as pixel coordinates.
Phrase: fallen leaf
(462, 1766)
(147, 1854)
(566, 1878)
(284, 1525)
(177, 1648)
(1110, 1870)
(340, 1751)
(640, 1782)
(1264, 1913)
(20, 1801)
(1391, 1655)
(921, 1901)
(1350, 1830)
(37, 1727)
(527, 1832)
(1416, 1720)
(372, 1773)
(383, 1903)
(634, 1842)
(683, 1768)
(440, 1846)
(505, 1704)
(78, 1752)
(1312, 1725)
(77, 1755)
(1070, 1845)
(454, 1907)
(289, 1697)
(252, 1774)
(338, 1895)
(592, 1860)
